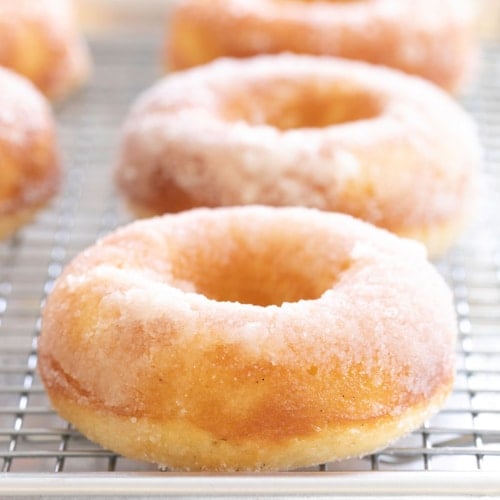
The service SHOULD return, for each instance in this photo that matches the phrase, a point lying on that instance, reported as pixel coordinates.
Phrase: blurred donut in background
(30, 170)
(41, 41)
(429, 38)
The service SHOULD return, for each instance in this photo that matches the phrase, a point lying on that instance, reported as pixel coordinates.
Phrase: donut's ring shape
(30, 171)
(248, 338)
(299, 130)
(41, 41)
(429, 38)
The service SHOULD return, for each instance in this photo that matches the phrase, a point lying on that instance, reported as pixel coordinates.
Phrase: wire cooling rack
(455, 453)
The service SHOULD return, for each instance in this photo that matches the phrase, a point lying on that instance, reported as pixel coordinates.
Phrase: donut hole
(278, 268)
(285, 105)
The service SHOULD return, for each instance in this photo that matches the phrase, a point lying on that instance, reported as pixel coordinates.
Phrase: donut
(40, 40)
(429, 38)
(30, 170)
(248, 338)
(312, 131)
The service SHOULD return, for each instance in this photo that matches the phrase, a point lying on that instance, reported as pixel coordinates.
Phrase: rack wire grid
(39, 451)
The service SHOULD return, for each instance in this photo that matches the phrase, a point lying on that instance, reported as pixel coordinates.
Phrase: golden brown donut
(40, 40)
(248, 338)
(30, 170)
(299, 130)
(429, 38)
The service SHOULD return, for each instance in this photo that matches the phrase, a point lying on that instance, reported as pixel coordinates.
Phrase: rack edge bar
(339, 485)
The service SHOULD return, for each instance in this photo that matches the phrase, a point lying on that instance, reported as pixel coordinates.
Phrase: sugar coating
(23, 111)
(200, 138)
(129, 328)
(30, 169)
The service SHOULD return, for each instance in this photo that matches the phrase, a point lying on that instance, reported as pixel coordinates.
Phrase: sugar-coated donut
(30, 170)
(302, 130)
(248, 338)
(429, 38)
(40, 40)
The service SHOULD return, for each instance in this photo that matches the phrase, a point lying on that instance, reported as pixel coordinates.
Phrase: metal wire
(465, 436)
